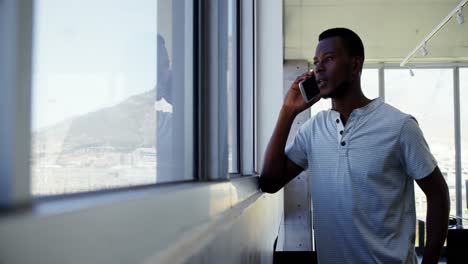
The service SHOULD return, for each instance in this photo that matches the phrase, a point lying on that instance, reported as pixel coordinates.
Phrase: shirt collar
(367, 109)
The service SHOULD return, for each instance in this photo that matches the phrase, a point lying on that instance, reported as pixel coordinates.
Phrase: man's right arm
(278, 169)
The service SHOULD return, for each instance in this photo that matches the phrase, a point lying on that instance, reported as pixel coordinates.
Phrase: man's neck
(346, 104)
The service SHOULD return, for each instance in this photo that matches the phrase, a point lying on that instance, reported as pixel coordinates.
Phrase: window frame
(206, 86)
(15, 102)
(235, 93)
(247, 90)
(459, 77)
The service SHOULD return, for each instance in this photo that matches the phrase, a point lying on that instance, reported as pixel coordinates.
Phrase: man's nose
(319, 67)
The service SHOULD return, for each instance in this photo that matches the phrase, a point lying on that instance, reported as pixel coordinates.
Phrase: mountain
(123, 128)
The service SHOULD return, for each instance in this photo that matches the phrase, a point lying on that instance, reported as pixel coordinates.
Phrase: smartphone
(309, 88)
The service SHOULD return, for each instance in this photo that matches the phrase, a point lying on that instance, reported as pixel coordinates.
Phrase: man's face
(333, 68)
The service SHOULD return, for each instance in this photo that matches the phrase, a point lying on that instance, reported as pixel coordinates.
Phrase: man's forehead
(329, 45)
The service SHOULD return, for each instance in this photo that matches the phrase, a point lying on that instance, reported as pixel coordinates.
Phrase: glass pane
(105, 111)
(464, 139)
(323, 104)
(369, 86)
(428, 96)
(370, 83)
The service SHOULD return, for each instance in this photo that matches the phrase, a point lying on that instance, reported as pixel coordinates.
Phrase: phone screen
(309, 88)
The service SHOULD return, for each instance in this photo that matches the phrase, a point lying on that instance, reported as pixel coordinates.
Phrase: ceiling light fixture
(460, 17)
(424, 50)
(460, 20)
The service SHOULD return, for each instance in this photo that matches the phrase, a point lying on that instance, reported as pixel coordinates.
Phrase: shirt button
(337, 120)
(341, 132)
(343, 143)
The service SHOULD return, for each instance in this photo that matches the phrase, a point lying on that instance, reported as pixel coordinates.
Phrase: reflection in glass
(102, 103)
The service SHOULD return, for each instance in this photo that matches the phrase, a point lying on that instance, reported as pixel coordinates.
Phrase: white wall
(245, 235)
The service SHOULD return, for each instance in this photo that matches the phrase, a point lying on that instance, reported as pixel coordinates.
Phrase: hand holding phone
(309, 88)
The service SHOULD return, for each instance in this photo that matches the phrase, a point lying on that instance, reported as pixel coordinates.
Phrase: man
(362, 157)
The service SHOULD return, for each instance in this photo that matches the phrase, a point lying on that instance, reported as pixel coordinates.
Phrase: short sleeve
(416, 156)
(297, 149)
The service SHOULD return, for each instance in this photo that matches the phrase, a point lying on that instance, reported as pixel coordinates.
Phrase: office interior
(135, 131)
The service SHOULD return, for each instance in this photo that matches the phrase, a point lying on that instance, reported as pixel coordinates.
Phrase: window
(116, 103)
(428, 96)
(240, 87)
(370, 83)
(112, 95)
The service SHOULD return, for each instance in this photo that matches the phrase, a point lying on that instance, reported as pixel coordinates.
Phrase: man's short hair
(351, 41)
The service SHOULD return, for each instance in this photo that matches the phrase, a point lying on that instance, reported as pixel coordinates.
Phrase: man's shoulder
(390, 113)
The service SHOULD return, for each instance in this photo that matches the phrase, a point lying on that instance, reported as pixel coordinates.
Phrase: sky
(90, 54)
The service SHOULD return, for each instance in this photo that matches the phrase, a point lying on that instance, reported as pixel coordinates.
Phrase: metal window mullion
(458, 184)
(254, 88)
(382, 83)
(238, 108)
(202, 91)
(182, 61)
(246, 79)
(197, 82)
(213, 91)
(15, 101)
(235, 93)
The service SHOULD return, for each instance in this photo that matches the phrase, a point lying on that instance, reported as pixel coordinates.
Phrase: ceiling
(389, 29)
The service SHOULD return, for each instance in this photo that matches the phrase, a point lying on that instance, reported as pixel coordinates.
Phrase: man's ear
(357, 64)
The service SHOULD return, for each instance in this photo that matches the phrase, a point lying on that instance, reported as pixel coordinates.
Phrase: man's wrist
(288, 111)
